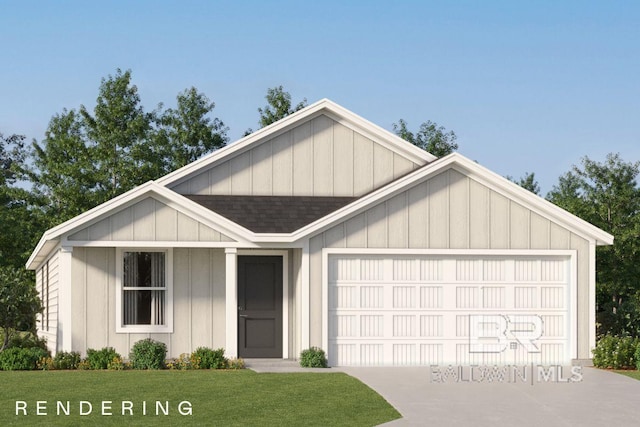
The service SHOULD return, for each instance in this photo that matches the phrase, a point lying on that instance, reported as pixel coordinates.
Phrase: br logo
(493, 333)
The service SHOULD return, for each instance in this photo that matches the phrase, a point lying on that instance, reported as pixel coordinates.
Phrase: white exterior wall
(450, 211)
(198, 302)
(320, 157)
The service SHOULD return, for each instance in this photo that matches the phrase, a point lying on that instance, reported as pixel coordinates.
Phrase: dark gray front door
(260, 306)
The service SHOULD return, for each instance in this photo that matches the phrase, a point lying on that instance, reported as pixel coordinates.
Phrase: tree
(430, 137)
(19, 302)
(187, 132)
(607, 195)
(278, 106)
(66, 175)
(89, 157)
(528, 182)
(119, 132)
(20, 222)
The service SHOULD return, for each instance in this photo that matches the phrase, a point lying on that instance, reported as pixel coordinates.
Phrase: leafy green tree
(278, 107)
(20, 223)
(187, 132)
(66, 175)
(119, 132)
(430, 137)
(528, 182)
(607, 195)
(88, 157)
(19, 302)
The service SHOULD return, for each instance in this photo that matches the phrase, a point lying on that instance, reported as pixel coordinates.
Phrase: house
(326, 230)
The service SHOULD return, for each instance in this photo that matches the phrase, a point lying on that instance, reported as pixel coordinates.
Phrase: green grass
(632, 374)
(217, 398)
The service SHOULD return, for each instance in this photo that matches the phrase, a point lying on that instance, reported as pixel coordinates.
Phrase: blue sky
(526, 86)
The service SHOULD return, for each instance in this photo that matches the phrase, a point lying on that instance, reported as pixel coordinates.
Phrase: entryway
(260, 285)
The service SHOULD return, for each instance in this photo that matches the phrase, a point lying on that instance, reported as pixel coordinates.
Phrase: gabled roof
(311, 219)
(472, 169)
(52, 237)
(324, 106)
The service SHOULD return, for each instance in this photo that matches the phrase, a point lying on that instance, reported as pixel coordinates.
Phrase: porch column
(64, 279)
(231, 306)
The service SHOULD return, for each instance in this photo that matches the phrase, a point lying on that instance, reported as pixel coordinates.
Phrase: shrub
(205, 358)
(64, 360)
(148, 354)
(45, 364)
(182, 363)
(236, 363)
(27, 340)
(116, 364)
(21, 359)
(100, 359)
(313, 357)
(616, 352)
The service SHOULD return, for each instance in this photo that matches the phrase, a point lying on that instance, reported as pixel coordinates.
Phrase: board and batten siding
(198, 302)
(450, 211)
(149, 220)
(47, 285)
(320, 157)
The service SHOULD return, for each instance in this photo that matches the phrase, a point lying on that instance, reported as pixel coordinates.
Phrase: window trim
(119, 315)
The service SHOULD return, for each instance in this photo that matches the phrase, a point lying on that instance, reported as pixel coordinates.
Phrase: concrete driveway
(601, 399)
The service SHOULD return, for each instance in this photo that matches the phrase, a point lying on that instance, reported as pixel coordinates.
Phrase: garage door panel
(416, 310)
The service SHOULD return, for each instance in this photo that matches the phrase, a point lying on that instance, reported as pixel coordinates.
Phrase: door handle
(243, 315)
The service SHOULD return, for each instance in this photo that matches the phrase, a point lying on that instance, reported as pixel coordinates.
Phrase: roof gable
(496, 183)
(321, 150)
(149, 220)
(102, 221)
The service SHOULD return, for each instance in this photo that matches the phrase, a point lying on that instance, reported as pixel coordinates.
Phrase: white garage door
(440, 310)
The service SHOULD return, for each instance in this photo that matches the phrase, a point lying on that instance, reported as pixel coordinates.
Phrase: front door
(260, 306)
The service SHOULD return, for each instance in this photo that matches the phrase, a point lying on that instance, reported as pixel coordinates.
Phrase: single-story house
(326, 230)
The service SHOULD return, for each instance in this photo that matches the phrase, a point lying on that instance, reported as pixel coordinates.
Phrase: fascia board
(324, 106)
(475, 171)
(228, 151)
(206, 216)
(532, 201)
(149, 189)
(379, 134)
(86, 218)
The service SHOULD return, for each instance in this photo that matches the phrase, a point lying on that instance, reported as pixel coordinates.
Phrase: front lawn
(216, 398)
(632, 374)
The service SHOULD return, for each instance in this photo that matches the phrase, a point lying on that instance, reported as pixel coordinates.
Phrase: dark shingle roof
(272, 214)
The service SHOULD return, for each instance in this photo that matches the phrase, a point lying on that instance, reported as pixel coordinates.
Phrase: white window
(144, 291)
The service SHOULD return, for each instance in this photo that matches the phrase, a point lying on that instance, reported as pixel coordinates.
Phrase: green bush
(616, 352)
(637, 357)
(100, 359)
(27, 340)
(64, 360)
(21, 359)
(148, 354)
(313, 357)
(205, 358)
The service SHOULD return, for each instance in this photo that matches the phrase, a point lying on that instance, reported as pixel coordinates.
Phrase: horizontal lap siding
(320, 157)
(198, 295)
(149, 220)
(48, 319)
(451, 211)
